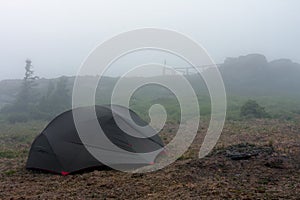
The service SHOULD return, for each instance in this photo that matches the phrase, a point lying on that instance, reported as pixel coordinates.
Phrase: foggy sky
(58, 35)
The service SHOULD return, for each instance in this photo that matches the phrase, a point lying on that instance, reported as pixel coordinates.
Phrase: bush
(252, 109)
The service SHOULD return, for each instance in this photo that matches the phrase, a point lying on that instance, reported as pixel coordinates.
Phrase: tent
(59, 149)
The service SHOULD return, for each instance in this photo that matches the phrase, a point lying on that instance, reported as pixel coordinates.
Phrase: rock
(276, 162)
(245, 151)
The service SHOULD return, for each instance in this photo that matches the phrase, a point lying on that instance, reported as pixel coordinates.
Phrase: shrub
(252, 109)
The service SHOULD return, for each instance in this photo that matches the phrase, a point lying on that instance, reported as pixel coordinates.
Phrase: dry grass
(264, 176)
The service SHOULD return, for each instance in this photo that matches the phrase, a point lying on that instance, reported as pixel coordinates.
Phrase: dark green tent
(59, 149)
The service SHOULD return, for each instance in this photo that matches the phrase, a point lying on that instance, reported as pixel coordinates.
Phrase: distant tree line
(30, 104)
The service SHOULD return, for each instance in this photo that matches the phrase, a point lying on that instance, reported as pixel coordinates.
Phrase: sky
(58, 35)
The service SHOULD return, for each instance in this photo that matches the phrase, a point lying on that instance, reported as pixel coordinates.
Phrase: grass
(277, 107)
(14, 152)
(9, 154)
(215, 176)
(10, 172)
(18, 134)
(12, 135)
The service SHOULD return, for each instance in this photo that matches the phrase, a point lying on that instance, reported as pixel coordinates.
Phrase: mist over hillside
(250, 75)
(254, 75)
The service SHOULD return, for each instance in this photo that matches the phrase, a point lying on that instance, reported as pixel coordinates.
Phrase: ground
(267, 167)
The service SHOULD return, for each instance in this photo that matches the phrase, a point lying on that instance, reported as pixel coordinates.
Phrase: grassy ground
(277, 107)
(272, 175)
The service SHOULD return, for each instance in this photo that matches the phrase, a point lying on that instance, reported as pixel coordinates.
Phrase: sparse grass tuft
(10, 172)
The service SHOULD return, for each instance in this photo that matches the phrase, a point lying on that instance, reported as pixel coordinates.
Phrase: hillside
(254, 75)
(251, 75)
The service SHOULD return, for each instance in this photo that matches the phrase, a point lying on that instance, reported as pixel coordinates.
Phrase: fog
(58, 35)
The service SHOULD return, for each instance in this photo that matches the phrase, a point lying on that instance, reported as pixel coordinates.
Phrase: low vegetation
(249, 162)
(252, 109)
(256, 157)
